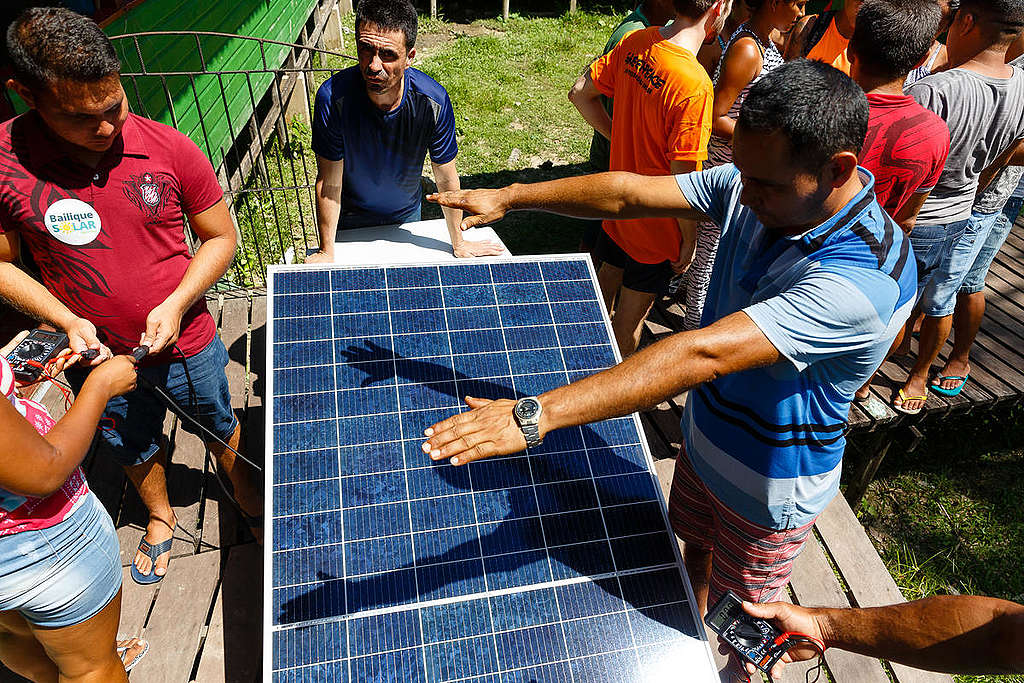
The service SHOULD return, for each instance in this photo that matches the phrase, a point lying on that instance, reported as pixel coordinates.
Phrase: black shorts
(650, 278)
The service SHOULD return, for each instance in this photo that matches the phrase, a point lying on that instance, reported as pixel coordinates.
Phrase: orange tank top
(831, 49)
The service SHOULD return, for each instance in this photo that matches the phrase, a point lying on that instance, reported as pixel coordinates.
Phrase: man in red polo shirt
(99, 197)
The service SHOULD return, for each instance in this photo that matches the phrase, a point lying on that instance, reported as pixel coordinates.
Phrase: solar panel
(552, 565)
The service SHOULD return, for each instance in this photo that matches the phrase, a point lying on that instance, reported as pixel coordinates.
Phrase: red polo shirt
(110, 240)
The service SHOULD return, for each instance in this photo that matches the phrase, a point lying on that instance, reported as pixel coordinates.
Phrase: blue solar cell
(471, 295)
(517, 569)
(369, 301)
(302, 329)
(291, 282)
(516, 272)
(305, 465)
(359, 325)
(521, 293)
(298, 305)
(564, 270)
(424, 276)
(465, 275)
(539, 337)
(583, 334)
(426, 344)
(313, 496)
(378, 555)
(358, 280)
(415, 299)
(367, 528)
(473, 318)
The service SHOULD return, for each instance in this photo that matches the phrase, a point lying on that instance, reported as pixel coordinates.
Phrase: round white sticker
(72, 221)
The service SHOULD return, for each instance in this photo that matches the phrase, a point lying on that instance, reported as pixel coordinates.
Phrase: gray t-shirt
(985, 116)
(1004, 185)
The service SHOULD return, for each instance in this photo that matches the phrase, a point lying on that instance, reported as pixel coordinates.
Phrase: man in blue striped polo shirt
(811, 284)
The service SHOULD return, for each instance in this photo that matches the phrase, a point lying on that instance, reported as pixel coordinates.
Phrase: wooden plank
(815, 585)
(863, 571)
(218, 519)
(234, 653)
(179, 618)
(136, 603)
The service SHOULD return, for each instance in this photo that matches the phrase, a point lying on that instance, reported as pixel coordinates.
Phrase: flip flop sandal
(937, 388)
(129, 665)
(904, 398)
(152, 552)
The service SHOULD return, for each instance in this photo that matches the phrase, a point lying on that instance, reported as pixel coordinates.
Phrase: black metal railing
(252, 122)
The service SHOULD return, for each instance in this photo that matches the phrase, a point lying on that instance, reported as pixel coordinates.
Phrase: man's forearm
(658, 372)
(328, 210)
(448, 180)
(951, 633)
(31, 297)
(616, 194)
(210, 262)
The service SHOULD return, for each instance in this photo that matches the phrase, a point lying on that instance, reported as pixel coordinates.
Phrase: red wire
(785, 636)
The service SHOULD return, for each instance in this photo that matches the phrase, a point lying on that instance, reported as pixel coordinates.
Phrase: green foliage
(946, 518)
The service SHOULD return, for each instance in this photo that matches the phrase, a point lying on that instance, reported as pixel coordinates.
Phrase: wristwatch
(527, 413)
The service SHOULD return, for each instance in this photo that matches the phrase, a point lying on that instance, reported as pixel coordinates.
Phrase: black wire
(794, 640)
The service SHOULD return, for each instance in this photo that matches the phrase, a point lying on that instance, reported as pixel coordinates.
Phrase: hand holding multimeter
(756, 641)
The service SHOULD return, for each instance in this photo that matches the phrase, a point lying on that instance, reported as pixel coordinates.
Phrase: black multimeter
(35, 351)
(755, 640)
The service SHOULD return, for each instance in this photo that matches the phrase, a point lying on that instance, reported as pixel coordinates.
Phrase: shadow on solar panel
(515, 524)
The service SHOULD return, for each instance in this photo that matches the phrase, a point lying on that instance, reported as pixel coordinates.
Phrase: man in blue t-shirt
(811, 284)
(372, 126)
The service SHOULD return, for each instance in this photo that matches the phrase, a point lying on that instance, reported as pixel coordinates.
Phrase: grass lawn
(947, 517)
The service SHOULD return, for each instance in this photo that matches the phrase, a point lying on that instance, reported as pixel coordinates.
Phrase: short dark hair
(1003, 19)
(693, 9)
(819, 109)
(891, 37)
(48, 44)
(390, 15)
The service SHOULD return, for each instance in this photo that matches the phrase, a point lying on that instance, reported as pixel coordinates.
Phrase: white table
(419, 242)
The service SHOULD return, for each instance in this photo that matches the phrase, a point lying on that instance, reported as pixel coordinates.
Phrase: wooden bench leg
(863, 474)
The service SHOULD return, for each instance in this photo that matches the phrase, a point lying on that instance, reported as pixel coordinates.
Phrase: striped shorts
(752, 561)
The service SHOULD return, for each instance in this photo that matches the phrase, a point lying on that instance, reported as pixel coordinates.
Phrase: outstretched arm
(963, 634)
(602, 195)
(646, 378)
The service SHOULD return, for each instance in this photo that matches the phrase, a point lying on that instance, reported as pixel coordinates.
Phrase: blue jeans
(133, 424)
(940, 266)
(1001, 226)
(65, 574)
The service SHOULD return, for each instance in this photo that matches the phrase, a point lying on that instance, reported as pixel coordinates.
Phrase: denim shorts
(63, 575)
(941, 264)
(975, 280)
(133, 424)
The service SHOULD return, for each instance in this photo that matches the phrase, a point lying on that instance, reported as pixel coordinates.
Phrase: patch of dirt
(426, 43)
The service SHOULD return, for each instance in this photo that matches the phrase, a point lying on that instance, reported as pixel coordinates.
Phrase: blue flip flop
(152, 552)
(937, 388)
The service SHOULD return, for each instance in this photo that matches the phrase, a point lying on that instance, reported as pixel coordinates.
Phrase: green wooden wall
(211, 109)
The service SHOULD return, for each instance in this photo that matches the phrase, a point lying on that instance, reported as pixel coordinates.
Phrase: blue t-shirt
(383, 151)
(769, 442)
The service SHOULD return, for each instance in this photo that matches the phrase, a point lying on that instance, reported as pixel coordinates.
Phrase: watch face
(527, 409)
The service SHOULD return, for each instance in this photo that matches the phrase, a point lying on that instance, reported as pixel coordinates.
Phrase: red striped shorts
(752, 561)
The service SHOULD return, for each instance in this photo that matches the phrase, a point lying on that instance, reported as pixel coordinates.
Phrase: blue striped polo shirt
(768, 442)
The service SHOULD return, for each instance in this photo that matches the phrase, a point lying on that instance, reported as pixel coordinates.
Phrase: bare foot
(157, 531)
(914, 388)
(863, 392)
(952, 369)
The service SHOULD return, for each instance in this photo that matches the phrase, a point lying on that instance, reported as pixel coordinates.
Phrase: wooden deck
(204, 619)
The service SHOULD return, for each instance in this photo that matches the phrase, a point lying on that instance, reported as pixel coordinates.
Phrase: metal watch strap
(532, 434)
